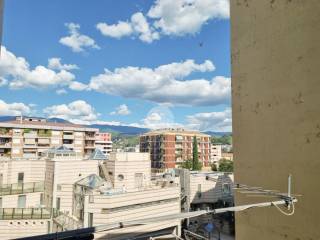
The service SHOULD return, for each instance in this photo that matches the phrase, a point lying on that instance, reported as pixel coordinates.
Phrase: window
(20, 177)
(58, 203)
(199, 190)
(0, 202)
(59, 187)
(41, 199)
(90, 219)
(22, 201)
(138, 179)
(226, 188)
(91, 199)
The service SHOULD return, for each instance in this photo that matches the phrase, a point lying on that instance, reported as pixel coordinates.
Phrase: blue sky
(142, 63)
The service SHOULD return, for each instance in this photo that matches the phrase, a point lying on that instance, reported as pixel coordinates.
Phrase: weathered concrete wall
(276, 112)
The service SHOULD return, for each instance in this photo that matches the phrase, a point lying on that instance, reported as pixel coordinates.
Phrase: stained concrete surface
(276, 112)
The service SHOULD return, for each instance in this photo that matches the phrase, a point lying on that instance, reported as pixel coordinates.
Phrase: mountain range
(117, 129)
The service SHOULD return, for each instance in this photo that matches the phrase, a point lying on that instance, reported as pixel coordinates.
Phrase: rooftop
(180, 131)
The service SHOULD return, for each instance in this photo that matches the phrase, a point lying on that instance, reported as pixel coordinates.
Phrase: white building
(103, 142)
(216, 153)
(64, 181)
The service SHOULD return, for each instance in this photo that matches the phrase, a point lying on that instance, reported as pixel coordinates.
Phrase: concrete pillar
(276, 112)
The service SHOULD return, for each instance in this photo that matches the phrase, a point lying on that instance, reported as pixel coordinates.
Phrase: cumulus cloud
(181, 17)
(137, 26)
(14, 109)
(55, 64)
(3, 81)
(214, 121)
(78, 86)
(118, 30)
(61, 91)
(79, 112)
(17, 73)
(76, 41)
(121, 110)
(165, 84)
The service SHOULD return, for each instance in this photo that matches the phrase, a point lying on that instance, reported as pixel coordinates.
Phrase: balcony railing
(20, 188)
(25, 213)
(5, 145)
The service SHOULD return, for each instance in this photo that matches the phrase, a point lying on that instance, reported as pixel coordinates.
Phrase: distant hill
(218, 134)
(122, 130)
(126, 130)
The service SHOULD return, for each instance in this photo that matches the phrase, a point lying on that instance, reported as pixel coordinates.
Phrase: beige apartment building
(30, 137)
(62, 190)
(170, 147)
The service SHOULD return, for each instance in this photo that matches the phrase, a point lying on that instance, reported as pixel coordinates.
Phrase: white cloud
(16, 71)
(77, 112)
(121, 110)
(61, 91)
(180, 17)
(214, 121)
(3, 81)
(55, 64)
(142, 28)
(118, 30)
(137, 26)
(165, 84)
(78, 86)
(14, 109)
(77, 41)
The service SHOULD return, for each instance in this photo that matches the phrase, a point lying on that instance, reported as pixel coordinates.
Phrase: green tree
(187, 164)
(225, 165)
(214, 167)
(196, 165)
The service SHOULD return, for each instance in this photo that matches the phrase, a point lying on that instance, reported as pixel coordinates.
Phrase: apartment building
(62, 190)
(34, 193)
(170, 147)
(128, 194)
(216, 153)
(29, 137)
(103, 141)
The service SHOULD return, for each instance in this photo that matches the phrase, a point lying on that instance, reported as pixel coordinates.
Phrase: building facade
(103, 142)
(30, 137)
(216, 153)
(62, 190)
(170, 147)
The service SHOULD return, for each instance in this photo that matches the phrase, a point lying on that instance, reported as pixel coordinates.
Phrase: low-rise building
(64, 192)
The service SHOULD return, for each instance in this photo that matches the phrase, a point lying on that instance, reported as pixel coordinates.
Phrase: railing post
(32, 213)
(33, 187)
(41, 213)
(22, 187)
(12, 213)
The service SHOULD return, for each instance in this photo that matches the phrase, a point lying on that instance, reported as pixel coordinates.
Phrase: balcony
(21, 188)
(25, 213)
(30, 135)
(90, 137)
(5, 145)
(90, 146)
(68, 136)
(5, 133)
